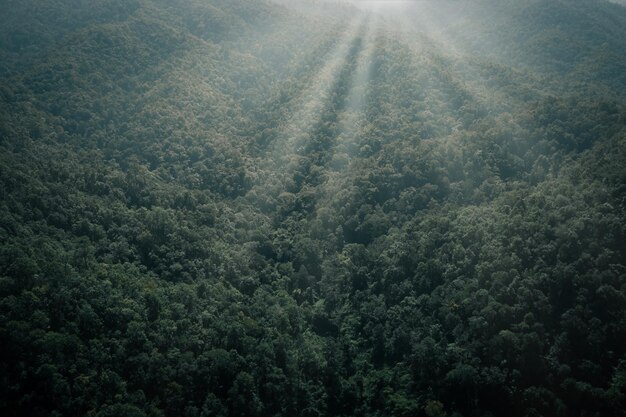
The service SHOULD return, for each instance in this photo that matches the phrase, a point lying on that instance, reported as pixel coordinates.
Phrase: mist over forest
(312, 208)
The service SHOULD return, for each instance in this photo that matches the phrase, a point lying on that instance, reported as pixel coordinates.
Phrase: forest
(316, 208)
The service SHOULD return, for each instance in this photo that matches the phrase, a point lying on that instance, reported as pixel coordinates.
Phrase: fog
(382, 5)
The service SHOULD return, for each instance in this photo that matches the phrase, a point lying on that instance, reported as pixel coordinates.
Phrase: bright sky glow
(381, 5)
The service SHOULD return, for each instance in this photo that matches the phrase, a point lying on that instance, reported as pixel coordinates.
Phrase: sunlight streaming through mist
(308, 107)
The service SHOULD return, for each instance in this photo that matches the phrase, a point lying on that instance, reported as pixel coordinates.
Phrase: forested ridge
(255, 208)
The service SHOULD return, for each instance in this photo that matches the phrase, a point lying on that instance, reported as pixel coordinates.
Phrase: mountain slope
(216, 208)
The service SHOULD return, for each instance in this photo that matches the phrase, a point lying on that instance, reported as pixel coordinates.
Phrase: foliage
(240, 208)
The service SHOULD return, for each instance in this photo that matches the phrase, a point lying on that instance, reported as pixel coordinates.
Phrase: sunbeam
(352, 116)
(307, 110)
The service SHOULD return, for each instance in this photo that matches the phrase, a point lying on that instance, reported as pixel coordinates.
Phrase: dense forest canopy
(312, 208)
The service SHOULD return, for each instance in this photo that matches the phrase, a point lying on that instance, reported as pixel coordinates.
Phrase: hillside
(259, 208)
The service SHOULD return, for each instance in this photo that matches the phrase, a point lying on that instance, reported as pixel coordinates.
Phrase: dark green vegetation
(230, 208)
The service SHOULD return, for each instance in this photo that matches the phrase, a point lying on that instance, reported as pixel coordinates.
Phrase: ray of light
(352, 122)
(353, 115)
(311, 103)
(296, 128)
(453, 62)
